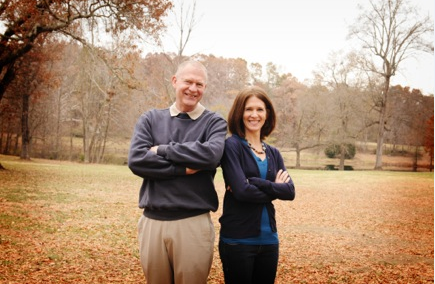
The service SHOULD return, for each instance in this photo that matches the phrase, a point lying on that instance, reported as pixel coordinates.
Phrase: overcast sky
(294, 35)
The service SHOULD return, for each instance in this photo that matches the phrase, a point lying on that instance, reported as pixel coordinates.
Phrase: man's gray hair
(194, 63)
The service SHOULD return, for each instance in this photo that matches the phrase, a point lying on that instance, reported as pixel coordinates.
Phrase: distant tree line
(65, 94)
(82, 100)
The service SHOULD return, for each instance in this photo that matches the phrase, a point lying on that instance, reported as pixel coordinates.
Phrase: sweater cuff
(180, 171)
(161, 150)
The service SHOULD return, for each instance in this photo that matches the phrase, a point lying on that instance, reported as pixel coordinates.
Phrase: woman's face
(254, 115)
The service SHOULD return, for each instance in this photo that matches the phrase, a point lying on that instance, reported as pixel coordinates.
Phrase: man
(176, 151)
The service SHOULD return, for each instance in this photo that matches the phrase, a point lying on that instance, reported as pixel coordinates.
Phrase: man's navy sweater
(167, 193)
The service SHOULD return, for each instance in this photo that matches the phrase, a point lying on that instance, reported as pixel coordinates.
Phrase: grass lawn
(64, 222)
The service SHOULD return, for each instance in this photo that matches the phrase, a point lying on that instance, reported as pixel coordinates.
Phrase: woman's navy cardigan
(247, 193)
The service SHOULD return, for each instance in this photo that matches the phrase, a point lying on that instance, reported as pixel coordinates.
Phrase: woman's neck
(256, 145)
(253, 138)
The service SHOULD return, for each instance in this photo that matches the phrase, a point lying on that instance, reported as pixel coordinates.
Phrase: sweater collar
(192, 114)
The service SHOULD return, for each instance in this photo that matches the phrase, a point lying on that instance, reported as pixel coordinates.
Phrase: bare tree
(94, 97)
(186, 21)
(183, 20)
(391, 31)
(347, 116)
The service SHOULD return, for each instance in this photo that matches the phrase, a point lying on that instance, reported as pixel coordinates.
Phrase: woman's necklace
(256, 151)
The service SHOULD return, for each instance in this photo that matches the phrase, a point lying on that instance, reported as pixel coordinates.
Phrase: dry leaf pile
(73, 223)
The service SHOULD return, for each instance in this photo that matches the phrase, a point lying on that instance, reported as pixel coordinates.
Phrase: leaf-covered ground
(75, 223)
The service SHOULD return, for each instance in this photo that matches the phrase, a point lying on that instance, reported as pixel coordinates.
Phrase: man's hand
(282, 177)
(190, 171)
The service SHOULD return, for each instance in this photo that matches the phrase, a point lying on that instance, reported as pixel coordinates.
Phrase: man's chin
(189, 105)
(191, 102)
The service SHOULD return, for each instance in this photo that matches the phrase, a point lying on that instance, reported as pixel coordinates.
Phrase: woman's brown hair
(235, 116)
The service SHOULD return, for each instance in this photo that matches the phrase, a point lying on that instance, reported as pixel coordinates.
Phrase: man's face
(189, 86)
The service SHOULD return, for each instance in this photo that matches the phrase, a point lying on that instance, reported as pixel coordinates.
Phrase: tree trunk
(25, 136)
(1, 135)
(8, 142)
(71, 146)
(382, 122)
(342, 156)
(430, 164)
(85, 137)
(298, 156)
(17, 144)
(415, 160)
(58, 129)
(106, 132)
(6, 77)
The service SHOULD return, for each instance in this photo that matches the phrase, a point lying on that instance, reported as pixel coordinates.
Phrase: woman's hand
(282, 177)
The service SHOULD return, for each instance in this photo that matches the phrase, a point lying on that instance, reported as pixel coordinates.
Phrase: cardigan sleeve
(283, 191)
(235, 176)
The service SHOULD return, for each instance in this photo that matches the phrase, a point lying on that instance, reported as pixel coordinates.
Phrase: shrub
(333, 151)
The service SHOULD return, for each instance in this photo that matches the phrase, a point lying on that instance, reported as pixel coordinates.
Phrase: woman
(254, 175)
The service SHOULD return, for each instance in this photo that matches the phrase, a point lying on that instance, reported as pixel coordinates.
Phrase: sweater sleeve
(235, 177)
(203, 154)
(145, 163)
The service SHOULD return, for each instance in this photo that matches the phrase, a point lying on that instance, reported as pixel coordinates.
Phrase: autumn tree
(423, 107)
(256, 73)
(156, 88)
(408, 114)
(155, 76)
(273, 77)
(24, 21)
(10, 129)
(23, 90)
(29, 76)
(226, 77)
(291, 106)
(400, 114)
(390, 31)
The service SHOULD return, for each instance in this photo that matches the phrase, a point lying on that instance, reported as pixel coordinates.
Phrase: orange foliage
(26, 21)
